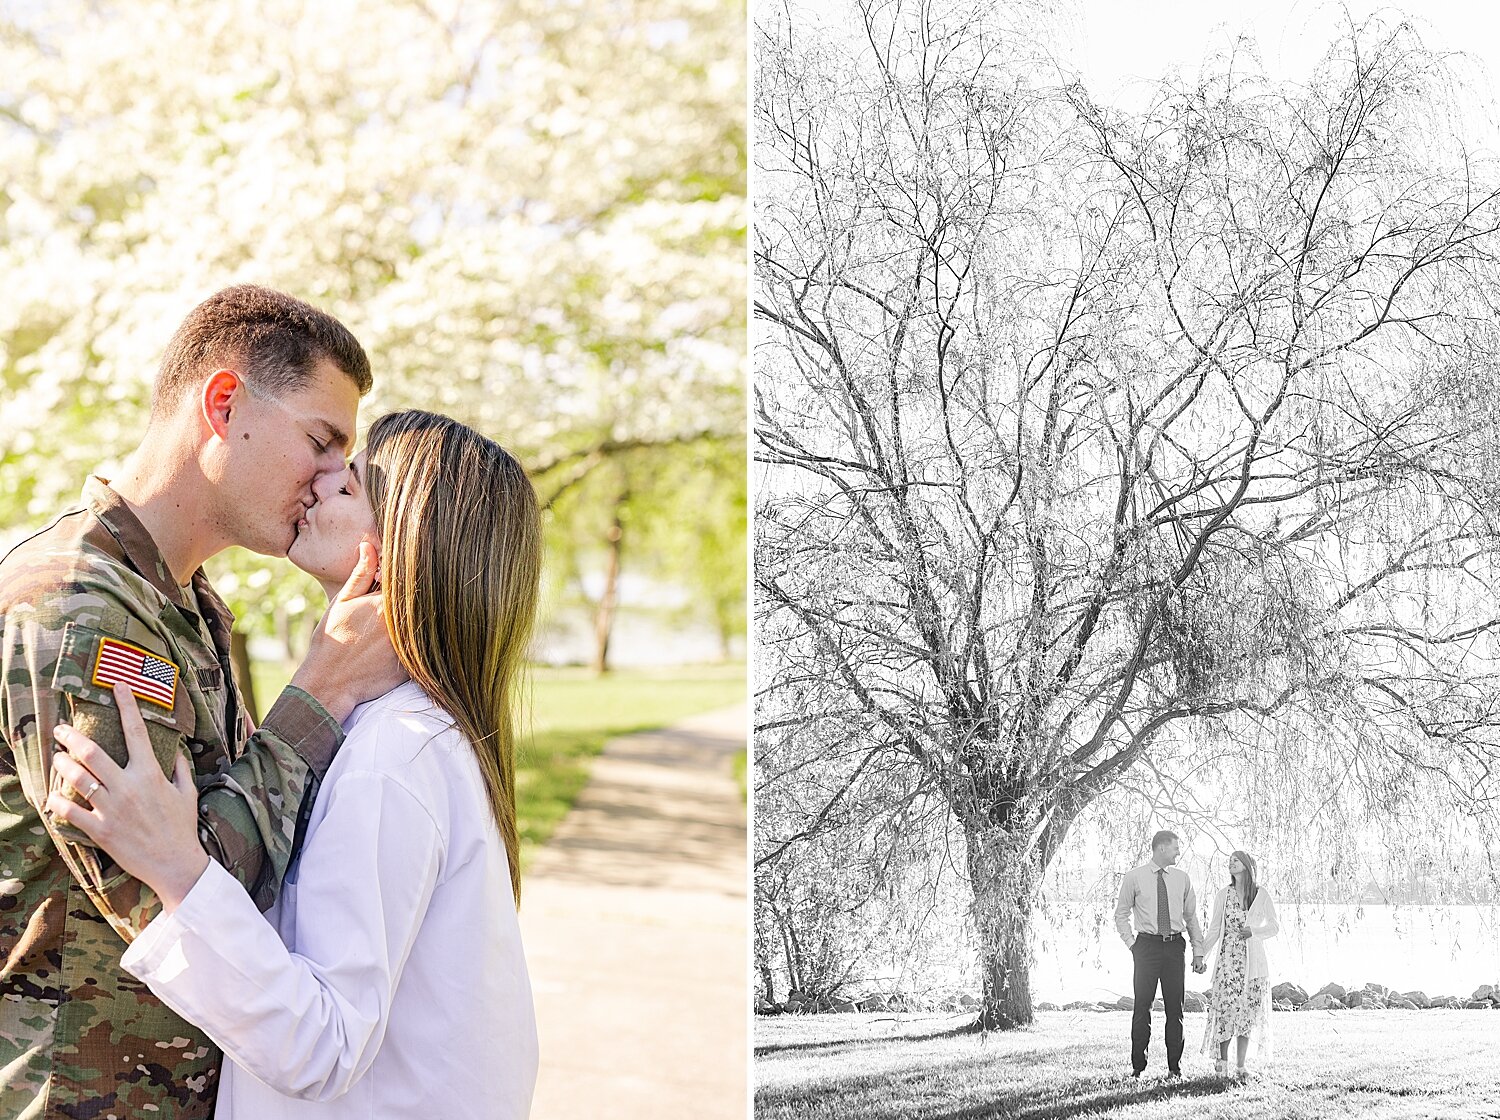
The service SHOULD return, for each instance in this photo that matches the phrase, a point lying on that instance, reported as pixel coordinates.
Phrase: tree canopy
(532, 214)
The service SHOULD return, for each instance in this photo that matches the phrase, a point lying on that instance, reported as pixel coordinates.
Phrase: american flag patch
(149, 677)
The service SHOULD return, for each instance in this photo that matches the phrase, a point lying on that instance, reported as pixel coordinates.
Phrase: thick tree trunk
(1006, 1000)
(1004, 878)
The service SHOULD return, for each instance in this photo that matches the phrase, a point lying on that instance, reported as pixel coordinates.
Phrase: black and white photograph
(1125, 418)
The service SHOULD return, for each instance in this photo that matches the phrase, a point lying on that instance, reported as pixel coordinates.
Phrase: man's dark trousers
(1165, 962)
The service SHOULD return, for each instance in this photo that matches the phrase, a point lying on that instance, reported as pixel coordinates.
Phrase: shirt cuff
(152, 949)
(305, 725)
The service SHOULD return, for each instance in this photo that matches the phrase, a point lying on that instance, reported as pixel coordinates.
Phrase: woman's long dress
(1238, 1006)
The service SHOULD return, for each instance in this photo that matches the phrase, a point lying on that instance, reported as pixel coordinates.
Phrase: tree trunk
(239, 660)
(767, 977)
(293, 638)
(604, 616)
(1004, 878)
(793, 956)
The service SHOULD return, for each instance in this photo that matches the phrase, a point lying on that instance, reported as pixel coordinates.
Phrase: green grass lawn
(568, 717)
(1384, 1065)
(573, 714)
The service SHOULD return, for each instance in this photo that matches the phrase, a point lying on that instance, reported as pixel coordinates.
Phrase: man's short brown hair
(273, 339)
(1163, 837)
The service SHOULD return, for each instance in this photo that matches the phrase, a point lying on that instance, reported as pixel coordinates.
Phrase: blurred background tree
(531, 212)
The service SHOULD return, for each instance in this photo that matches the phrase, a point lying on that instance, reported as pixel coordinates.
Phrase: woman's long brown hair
(460, 563)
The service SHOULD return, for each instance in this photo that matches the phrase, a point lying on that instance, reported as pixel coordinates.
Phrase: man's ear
(221, 395)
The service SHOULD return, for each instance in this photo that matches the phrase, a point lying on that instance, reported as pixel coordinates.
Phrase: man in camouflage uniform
(256, 399)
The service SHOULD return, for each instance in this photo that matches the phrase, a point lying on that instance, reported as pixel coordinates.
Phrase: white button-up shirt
(389, 979)
(1137, 901)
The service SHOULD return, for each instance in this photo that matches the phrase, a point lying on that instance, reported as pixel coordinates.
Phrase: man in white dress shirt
(1158, 898)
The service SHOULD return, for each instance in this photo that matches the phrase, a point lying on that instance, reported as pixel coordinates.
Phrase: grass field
(1390, 1065)
(574, 713)
(570, 715)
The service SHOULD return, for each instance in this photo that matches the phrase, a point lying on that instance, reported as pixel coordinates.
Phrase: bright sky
(1119, 46)
(1119, 42)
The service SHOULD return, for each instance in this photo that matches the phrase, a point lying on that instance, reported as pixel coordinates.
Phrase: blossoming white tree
(532, 214)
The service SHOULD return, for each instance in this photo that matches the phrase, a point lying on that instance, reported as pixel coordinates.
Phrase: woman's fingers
(92, 755)
(137, 738)
(79, 777)
(88, 752)
(182, 777)
(70, 812)
(363, 577)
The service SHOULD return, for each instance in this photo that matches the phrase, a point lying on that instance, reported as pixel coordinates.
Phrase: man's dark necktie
(1163, 911)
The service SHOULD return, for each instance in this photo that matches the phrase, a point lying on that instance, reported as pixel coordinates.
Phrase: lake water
(1441, 950)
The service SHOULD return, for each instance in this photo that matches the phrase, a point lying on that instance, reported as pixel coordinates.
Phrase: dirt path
(634, 917)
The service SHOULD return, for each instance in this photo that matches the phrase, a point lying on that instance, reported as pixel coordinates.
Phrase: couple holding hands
(1157, 899)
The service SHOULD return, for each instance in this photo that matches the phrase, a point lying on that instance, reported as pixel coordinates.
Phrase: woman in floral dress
(1239, 1003)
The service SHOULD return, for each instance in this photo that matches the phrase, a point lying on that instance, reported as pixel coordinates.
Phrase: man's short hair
(273, 339)
(1161, 838)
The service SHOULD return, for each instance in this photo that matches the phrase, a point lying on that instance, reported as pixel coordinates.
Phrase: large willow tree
(1105, 448)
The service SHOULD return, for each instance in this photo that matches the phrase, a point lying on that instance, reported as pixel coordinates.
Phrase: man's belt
(1162, 936)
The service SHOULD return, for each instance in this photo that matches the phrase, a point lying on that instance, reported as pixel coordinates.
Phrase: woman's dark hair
(1248, 889)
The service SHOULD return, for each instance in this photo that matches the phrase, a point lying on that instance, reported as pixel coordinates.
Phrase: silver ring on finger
(88, 794)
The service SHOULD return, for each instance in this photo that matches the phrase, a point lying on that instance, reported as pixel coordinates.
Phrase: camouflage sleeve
(42, 685)
(251, 815)
(249, 810)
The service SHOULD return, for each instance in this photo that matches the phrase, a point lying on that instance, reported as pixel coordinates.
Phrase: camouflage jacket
(79, 1036)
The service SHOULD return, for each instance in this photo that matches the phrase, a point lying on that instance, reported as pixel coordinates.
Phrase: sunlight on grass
(1374, 1064)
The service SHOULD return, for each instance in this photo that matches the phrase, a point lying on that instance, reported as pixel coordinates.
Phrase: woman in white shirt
(1239, 1001)
(389, 979)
